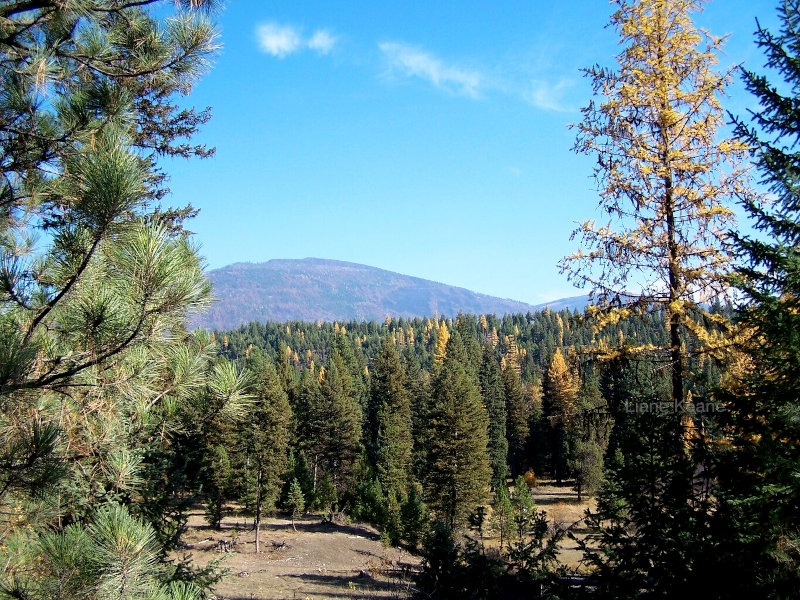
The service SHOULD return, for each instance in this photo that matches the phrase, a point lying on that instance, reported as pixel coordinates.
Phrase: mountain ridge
(313, 289)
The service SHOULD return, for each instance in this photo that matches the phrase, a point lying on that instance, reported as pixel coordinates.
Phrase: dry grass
(565, 512)
(339, 561)
(316, 561)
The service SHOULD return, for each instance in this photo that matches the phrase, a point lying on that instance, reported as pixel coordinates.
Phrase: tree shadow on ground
(243, 524)
(316, 526)
(555, 500)
(354, 584)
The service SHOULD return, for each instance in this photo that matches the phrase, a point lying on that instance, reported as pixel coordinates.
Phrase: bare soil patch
(565, 511)
(326, 560)
(319, 560)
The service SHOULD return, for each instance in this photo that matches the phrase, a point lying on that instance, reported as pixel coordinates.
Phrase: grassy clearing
(324, 560)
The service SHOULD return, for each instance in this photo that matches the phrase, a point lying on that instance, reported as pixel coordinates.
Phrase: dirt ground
(316, 561)
(336, 561)
(564, 511)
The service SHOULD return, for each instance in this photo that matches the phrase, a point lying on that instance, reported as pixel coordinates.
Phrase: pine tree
(651, 530)
(334, 427)
(458, 471)
(758, 549)
(295, 502)
(517, 426)
(213, 421)
(116, 556)
(585, 463)
(288, 375)
(308, 403)
(440, 350)
(560, 387)
(503, 513)
(588, 435)
(534, 555)
(419, 387)
(297, 469)
(492, 391)
(414, 516)
(666, 179)
(538, 426)
(326, 497)
(393, 406)
(207, 397)
(467, 328)
(97, 371)
(522, 506)
(265, 443)
(354, 367)
(218, 484)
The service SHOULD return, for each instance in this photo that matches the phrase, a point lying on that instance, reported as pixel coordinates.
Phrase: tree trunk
(258, 511)
(675, 291)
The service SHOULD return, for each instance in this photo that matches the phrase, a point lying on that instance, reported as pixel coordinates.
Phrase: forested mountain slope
(312, 289)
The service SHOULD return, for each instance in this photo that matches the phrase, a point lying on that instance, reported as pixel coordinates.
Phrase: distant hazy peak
(311, 289)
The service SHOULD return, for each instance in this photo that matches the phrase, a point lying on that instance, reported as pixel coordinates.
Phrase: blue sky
(428, 138)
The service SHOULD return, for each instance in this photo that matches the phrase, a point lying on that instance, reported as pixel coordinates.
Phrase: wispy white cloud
(278, 40)
(322, 41)
(283, 40)
(411, 61)
(549, 96)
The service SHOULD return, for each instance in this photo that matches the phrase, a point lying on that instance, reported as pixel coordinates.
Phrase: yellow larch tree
(561, 388)
(560, 324)
(666, 180)
(512, 358)
(440, 349)
(428, 330)
(560, 392)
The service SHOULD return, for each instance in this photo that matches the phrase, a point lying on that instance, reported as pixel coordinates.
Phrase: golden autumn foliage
(666, 180)
(442, 337)
(513, 356)
(561, 387)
